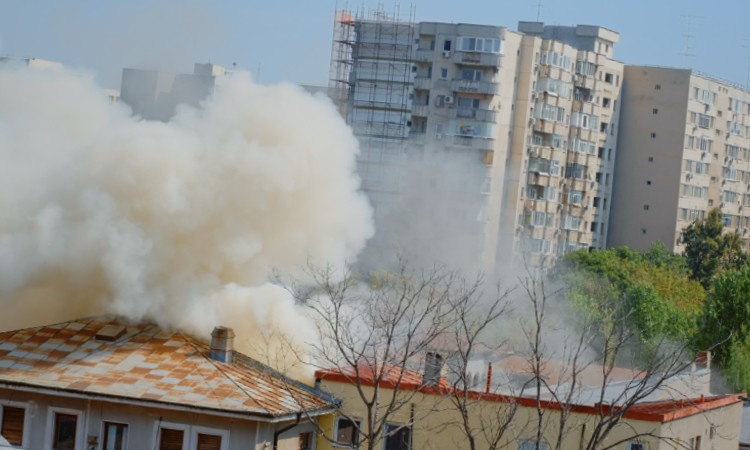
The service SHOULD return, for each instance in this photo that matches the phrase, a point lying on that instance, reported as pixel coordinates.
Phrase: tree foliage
(653, 286)
(708, 250)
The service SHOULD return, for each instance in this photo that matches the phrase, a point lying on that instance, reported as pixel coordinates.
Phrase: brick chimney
(222, 344)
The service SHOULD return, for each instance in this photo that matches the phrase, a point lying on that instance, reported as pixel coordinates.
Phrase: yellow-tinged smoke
(178, 222)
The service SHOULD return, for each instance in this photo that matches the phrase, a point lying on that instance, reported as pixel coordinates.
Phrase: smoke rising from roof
(175, 222)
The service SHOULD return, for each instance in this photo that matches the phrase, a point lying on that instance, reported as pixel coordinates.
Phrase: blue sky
(290, 39)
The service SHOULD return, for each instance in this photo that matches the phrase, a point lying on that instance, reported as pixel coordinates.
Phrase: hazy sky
(291, 39)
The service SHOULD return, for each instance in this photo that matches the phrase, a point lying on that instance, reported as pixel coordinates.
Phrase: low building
(102, 383)
(429, 419)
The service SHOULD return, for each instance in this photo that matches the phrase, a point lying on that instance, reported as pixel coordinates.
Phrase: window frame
(26, 437)
(103, 432)
(52, 412)
(398, 427)
(357, 429)
(196, 430)
(158, 425)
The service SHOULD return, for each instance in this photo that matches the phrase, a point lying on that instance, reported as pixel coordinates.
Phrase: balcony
(476, 87)
(424, 55)
(538, 179)
(480, 115)
(421, 83)
(584, 81)
(477, 59)
(420, 110)
(474, 142)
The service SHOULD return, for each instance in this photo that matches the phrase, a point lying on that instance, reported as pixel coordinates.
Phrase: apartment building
(561, 166)
(684, 139)
(155, 95)
(478, 142)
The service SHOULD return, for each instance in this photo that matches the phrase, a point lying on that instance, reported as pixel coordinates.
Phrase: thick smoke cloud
(179, 223)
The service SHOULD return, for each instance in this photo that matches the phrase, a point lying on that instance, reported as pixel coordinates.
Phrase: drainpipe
(277, 433)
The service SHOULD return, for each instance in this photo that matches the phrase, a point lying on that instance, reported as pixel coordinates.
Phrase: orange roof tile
(147, 363)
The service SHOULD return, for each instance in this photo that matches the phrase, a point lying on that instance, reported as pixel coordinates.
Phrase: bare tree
(375, 332)
(602, 344)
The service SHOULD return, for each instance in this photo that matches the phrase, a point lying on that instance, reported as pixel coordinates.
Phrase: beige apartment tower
(684, 140)
(478, 143)
(560, 171)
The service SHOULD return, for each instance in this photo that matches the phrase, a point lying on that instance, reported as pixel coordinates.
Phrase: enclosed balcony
(476, 87)
(477, 59)
(481, 115)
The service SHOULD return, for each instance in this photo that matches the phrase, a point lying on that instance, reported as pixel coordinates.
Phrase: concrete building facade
(684, 140)
(559, 178)
(155, 95)
(478, 142)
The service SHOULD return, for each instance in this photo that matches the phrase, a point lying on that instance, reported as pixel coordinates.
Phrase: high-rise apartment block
(478, 142)
(684, 140)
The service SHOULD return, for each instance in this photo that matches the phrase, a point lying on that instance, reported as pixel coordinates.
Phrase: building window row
(582, 146)
(557, 59)
(696, 167)
(64, 431)
(689, 190)
(549, 112)
(583, 120)
(478, 44)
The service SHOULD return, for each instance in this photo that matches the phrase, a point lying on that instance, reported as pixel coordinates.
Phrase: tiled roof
(658, 411)
(104, 356)
(390, 376)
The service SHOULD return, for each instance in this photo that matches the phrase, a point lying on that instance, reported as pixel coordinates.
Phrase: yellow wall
(437, 424)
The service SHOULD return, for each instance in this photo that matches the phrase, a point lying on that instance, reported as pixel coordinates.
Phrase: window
(477, 44)
(650, 159)
(636, 446)
(11, 427)
(347, 432)
(64, 435)
(447, 45)
(609, 78)
(471, 75)
(704, 121)
(657, 87)
(171, 439)
(397, 437)
(206, 441)
(648, 182)
(655, 111)
(115, 436)
(653, 135)
(606, 102)
(645, 207)
(305, 441)
(443, 73)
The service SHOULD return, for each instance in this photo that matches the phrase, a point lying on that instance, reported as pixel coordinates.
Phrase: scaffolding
(371, 81)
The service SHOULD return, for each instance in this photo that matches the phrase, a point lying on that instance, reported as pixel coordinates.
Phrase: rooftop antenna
(539, 5)
(689, 20)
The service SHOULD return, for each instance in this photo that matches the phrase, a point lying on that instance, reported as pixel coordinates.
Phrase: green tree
(708, 250)
(726, 318)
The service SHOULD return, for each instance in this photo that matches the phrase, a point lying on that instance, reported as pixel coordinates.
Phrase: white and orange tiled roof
(107, 358)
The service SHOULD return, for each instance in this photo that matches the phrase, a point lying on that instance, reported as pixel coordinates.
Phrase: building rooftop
(109, 358)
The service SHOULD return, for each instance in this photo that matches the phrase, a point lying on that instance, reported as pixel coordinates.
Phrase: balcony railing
(477, 59)
(419, 110)
(421, 83)
(474, 142)
(424, 55)
(478, 87)
(481, 115)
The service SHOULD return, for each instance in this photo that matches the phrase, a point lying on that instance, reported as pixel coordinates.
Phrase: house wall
(437, 424)
(142, 423)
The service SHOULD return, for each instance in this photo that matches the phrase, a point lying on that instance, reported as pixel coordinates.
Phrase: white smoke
(179, 222)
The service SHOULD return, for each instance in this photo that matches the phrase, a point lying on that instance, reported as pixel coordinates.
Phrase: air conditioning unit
(447, 54)
(448, 100)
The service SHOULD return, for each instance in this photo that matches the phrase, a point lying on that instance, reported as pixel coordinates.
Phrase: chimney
(222, 345)
(433, 367)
